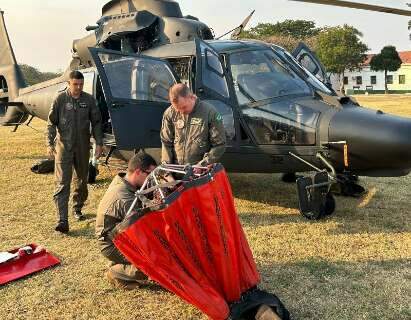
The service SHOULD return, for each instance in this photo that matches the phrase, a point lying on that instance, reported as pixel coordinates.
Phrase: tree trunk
(342, 86)
(386, 85)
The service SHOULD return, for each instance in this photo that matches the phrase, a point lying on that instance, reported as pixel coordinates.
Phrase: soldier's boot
(61, 201)
(79, 216)
(121, 284)
(264, 312)
(62, 227)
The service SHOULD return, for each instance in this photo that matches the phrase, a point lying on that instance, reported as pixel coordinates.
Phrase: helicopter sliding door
(136, 91)
(309, 60)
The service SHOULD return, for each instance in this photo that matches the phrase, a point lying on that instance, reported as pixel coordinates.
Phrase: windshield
(260, 75)
(312, 79)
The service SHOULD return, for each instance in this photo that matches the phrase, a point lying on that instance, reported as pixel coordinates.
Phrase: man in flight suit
(112, 210)
(192, 131)
(68, 141)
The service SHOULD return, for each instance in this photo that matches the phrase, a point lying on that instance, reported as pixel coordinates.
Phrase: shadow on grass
(251, 219)
(87, 232)
(264, 188)
(319, 270)
(379, 215)
(30, 157)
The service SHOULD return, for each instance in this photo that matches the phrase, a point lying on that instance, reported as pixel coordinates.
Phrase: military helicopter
(278, 115)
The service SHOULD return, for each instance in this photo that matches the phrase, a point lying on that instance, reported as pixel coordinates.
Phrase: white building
(366, 80)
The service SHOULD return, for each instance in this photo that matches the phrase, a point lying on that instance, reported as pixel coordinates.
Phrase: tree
(33, 75)
(387, 60)
(340, 48)
(299, 29)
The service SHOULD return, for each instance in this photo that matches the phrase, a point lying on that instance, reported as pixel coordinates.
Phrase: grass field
(355, 264)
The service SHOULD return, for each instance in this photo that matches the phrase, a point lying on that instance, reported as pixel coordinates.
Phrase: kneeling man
(112, 210)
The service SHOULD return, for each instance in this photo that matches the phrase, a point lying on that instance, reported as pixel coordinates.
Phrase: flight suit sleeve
(114, 215)
(96, 122)
(217, 139)
(52, 123)
(167, 138)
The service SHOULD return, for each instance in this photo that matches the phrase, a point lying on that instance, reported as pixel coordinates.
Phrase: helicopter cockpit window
(212, 72)
(260, 75)
(282, 122)
(137, 78)
(311, 78)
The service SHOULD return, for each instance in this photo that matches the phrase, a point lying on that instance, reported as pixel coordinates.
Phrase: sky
(42, 32)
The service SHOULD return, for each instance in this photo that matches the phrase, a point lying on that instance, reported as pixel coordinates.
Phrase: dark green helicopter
(278, 116)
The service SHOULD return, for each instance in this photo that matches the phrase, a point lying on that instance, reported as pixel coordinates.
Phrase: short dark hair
(142, 161)
(178, 90)
(76, 75)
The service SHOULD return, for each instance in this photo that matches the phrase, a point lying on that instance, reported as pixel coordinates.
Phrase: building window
(345, 80)
(359, 80)
(390, 79)
(402, 79)
(373, 79)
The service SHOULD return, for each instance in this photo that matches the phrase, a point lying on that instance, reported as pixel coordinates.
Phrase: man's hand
(51, 152)
(98, 151)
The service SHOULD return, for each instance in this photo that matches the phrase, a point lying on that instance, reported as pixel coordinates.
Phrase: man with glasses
(112, 210)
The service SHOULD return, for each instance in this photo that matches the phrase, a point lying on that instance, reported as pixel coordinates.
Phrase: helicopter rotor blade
(237, 30)
(363, 6)
(241, 27)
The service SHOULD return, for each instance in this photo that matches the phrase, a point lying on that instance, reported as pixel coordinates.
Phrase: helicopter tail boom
(11, 79)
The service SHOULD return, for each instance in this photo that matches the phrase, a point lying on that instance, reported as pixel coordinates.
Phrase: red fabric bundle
(193, 245)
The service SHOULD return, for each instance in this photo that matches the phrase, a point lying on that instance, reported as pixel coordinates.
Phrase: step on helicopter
(279, 112)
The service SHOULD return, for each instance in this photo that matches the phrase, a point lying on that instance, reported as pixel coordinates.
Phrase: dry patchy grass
(352, 265)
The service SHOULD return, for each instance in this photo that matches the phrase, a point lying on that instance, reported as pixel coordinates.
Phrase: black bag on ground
(43, 166)
(246, 308)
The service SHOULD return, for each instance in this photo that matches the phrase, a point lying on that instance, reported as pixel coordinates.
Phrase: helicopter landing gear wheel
(314, 197)
(329, 206)
(289, 177)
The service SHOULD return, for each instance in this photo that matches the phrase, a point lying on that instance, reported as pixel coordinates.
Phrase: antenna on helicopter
(237, 30)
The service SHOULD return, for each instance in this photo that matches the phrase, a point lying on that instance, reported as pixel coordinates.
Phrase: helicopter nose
(379, 144)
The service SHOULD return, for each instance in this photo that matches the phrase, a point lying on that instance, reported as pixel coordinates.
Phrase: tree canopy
(33, 75)
(387, 60)
(340, 48)
(299, 29)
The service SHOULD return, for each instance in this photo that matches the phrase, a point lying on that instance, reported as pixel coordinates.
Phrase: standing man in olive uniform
(112, 210)
(68, 141)
(192, 131)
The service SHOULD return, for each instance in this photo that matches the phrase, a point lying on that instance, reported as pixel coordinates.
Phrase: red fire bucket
(193, 244)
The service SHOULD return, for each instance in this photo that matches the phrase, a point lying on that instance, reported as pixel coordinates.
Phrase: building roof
(404, 55)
